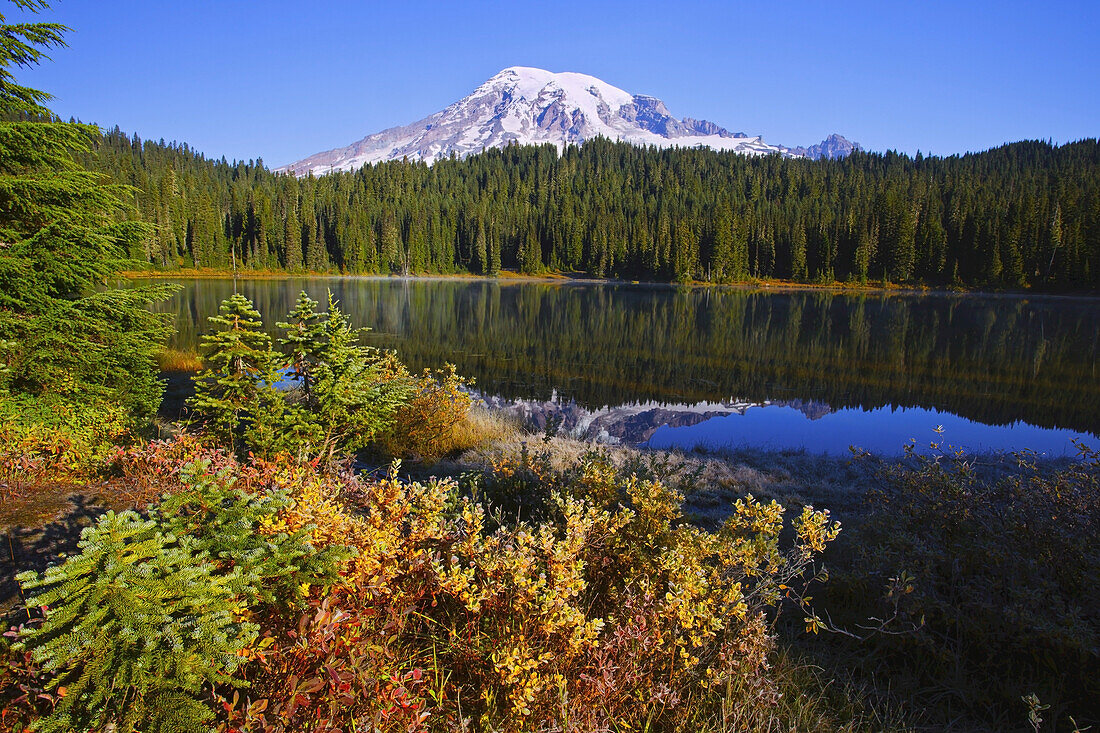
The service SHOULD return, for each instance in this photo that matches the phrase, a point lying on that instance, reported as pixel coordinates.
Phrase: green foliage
(99, 348)
(998, 568)
(23, 45)
(64, 230)
(348, 395)
(281, 425)
(154, 611)
(223, 521)
(240, 373)
(47, 438)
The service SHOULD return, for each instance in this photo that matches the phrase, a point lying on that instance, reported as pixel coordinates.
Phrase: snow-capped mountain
(630, 423)
(834, 146)
(533, 106)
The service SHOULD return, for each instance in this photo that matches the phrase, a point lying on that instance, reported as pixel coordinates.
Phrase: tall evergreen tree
(62, 232)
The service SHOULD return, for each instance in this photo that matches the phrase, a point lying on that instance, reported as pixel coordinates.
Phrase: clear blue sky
(282, 80)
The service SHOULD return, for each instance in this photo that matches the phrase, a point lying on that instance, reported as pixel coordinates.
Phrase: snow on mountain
(834, 146)
(630, 423)
(533, 106)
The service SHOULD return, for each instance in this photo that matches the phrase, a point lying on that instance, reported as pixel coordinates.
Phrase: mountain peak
(834, 146)
(527, 105)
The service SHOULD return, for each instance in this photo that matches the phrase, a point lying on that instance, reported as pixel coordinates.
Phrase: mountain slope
(533, 106)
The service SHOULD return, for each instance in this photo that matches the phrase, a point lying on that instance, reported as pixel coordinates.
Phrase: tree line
(1026, 214)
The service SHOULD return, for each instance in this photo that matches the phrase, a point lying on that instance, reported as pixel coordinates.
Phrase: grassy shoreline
(871, 287)
(508, 276)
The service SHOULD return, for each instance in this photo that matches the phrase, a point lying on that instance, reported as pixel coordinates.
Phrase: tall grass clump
(178, 360)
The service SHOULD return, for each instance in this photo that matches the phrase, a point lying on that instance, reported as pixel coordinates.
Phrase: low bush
(994, 571)
(52, 439)
(325, 601)
(608, 610)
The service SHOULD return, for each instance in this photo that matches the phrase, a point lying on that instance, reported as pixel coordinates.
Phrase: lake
(685, 367)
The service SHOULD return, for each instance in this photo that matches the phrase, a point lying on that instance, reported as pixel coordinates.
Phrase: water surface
(676, 366)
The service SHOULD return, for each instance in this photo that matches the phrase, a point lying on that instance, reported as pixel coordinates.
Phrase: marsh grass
(177, 360)
(710, 481)
(810, 700)
(481, 427)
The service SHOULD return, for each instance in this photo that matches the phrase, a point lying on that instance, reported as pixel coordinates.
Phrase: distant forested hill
(1025, 214)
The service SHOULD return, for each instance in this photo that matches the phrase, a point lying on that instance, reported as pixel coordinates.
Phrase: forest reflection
(992, 359)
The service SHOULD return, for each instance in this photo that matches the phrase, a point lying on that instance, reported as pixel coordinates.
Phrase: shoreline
(508, 277)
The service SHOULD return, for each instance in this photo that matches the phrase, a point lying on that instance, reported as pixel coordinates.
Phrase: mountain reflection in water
(638, 363)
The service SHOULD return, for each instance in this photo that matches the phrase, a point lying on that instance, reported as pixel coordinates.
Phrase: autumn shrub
(142, 473)
(155, 610)
(606, 610)
(1001, 568)
(52, 439)
(427, 425)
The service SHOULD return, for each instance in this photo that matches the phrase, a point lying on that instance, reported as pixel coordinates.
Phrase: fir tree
(65, 338)
(354, 398)
(241, 369)
(303, 340)
(138, 623)
(798, 252)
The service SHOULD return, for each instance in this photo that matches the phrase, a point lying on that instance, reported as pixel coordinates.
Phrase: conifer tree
(241, 369)
(354, 399)
(292, 233)
(617, 209)
(798, 252)
(316, 254)
(65, 337)
(303, 340)
(137, 623)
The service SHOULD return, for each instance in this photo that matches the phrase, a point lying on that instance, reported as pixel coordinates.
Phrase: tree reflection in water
(990, 359)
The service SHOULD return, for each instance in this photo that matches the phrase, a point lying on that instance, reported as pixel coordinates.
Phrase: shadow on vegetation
(36, 547)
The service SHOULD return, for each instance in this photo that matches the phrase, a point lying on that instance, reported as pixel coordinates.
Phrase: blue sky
(281, 80)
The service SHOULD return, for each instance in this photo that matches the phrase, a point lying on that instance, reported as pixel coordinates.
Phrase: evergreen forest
(1024, 215)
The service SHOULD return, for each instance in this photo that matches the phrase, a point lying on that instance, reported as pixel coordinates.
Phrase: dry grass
(175, 360)
(481, 428)
(710, 482)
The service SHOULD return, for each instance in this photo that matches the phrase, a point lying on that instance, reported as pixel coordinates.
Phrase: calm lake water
(669, 366)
